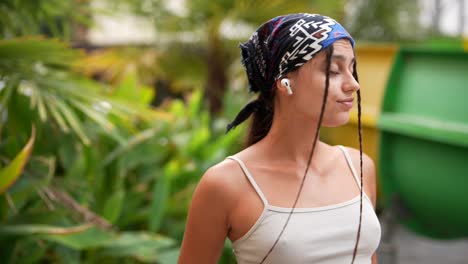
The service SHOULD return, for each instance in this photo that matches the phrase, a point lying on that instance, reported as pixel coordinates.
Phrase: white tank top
(324, 235)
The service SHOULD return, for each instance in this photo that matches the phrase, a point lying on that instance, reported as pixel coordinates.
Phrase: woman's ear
(284, 86)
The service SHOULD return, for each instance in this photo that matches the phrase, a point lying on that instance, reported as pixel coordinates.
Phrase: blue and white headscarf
(282, 45)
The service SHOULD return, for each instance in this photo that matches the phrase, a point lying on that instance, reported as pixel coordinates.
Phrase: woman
(288, 197)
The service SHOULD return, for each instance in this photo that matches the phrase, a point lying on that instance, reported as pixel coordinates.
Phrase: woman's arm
(207, 223)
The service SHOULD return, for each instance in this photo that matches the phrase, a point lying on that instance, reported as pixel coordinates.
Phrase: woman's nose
(351, 84)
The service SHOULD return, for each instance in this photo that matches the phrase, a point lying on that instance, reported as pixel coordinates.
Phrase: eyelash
(336, 72)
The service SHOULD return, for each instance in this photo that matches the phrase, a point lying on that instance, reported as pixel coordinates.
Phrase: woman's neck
(290, 139)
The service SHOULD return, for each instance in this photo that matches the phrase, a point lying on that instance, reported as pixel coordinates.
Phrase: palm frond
(38, 69)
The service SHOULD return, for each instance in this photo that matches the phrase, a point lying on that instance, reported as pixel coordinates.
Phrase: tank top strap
(350, 164)
(250, 178)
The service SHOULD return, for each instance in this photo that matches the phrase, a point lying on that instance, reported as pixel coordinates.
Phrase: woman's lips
(347, 103)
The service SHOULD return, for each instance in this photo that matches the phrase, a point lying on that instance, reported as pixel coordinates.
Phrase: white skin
(225, 205)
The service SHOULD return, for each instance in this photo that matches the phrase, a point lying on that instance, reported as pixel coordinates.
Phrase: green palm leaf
(140, 245)
(13, 170)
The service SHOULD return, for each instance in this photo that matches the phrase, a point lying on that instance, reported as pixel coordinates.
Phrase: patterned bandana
(282, 45)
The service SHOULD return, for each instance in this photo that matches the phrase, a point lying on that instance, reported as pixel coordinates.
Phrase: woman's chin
(336, 122)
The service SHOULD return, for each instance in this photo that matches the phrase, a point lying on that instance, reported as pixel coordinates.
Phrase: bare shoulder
(221, 181)
(368, 171)
(208, 216)
(368, 165)
(223, 174)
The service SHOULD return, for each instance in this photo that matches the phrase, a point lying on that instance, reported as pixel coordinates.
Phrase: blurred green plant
(101, 178)
(167, 71)
(56, 18)
(10, 173)
(39, 208)
(112, 65)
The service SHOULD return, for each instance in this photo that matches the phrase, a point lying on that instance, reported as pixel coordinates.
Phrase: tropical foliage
(89, 175)
(103, 180)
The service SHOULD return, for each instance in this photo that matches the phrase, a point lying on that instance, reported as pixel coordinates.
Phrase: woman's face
(308, 84)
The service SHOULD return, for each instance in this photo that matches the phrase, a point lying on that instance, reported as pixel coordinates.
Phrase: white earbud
(285, 82)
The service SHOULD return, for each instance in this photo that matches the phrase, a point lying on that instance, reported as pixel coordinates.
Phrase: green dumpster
(424, 142)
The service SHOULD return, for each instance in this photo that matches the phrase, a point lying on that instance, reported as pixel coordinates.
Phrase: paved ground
(410, 248)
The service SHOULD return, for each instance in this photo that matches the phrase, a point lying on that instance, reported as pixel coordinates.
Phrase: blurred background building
(445, 16)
